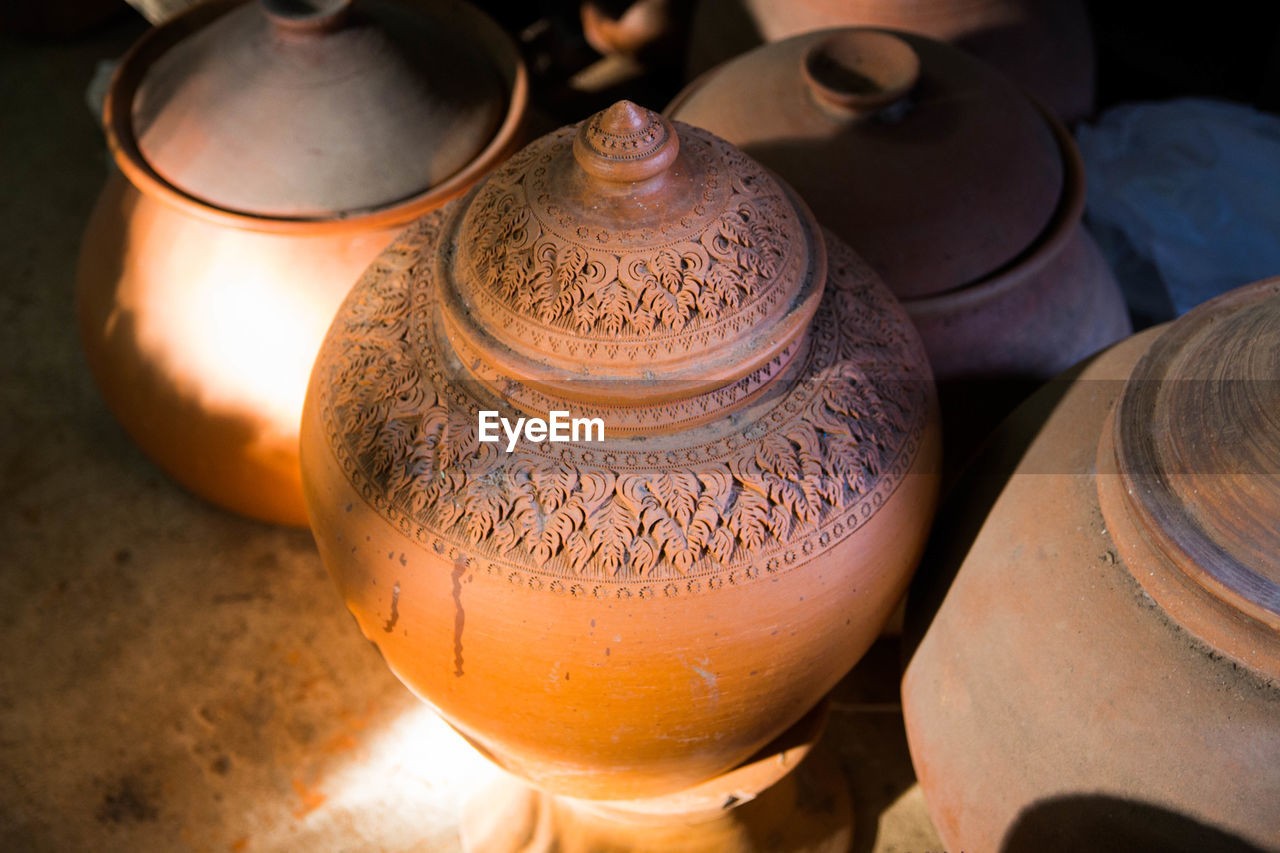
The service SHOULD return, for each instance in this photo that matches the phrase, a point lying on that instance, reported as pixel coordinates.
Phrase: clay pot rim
(1031, 260)
(1206, 599)
(118, 126)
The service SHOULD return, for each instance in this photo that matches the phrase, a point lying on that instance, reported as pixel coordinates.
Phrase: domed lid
(317, 108)
(1197, 447)
(630, 259)
(938, 170)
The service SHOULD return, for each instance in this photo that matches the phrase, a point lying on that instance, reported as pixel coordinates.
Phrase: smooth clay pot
(267, 153)
(623, 619)
(951, 183)
(1045, 45)
(939, 172)
(1100, 661)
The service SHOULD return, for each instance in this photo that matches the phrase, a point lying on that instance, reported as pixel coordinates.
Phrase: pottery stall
(624, 619)
(267, 152)
(1098, 620)
(1046, 45)
(949, 181)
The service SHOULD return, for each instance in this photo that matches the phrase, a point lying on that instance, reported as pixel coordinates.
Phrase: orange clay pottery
(267, 152)
(625, 618)
(1045, 45)
(1099, 666)
(949, 182)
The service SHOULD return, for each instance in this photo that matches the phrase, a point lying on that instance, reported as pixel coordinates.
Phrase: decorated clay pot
(622, 616)
(267, 153)
(952, 184)
(1098, 628)
(1045, 45)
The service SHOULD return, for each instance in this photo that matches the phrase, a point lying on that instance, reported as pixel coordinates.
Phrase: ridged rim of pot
(121, 141)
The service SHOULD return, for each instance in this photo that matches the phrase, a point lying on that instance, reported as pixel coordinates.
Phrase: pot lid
(627, 259)
(1197, 447)
(937, 169)
(320, 108)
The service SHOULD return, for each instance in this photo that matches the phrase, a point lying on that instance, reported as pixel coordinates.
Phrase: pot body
(629, 680)
(212, 264)
(1051, 704)
(201, 337)
(1030, 322)
(1044, 45)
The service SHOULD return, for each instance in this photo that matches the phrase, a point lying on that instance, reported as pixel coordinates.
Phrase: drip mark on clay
(395, 609)
(459, 617)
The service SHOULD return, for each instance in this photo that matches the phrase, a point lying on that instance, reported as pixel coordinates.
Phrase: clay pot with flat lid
(1045, 45)
(622, 616)
(951, 183)
(1098, 660)
(267, 152)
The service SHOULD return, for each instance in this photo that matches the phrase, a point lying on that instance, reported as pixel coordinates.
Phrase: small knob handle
(859, 71)
(306, 16)
(626, 144)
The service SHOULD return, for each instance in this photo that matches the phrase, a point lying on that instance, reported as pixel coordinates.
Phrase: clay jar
(622, 619)
(1099, 665)
(952, 185)
(938, 171)
(1045, 45)
(267, 153)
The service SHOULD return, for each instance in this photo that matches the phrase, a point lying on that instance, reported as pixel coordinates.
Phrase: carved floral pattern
(525, 252)
(401, 416)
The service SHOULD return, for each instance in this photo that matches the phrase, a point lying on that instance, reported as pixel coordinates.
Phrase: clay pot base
(786, 798)
(807, 811)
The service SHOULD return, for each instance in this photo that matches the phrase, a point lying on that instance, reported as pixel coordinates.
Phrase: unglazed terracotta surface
(183, 678)
(1045, 45)
(622, 619)
(213, 262)
(1099, 638)
(957, 189)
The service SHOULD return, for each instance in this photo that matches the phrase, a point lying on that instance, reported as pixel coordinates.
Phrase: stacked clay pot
(623, 620)
(1098, 628)
(267, 152)
(1045, 45)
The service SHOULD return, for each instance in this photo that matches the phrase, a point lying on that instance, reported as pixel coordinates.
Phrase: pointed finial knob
(625, 144)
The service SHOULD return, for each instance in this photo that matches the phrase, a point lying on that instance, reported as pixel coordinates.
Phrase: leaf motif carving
(644, 556)
(554, 482)
(486, 505)
(677, 493)
(776, 454)
(613, 529)
(721, 545)
(406, 422)
(579, 550)
(749, 519)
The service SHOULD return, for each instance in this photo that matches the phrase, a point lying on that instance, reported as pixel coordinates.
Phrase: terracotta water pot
(623, 618)
(267, 152)
(952, 184)
(1098, 661)
(1045, 45)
